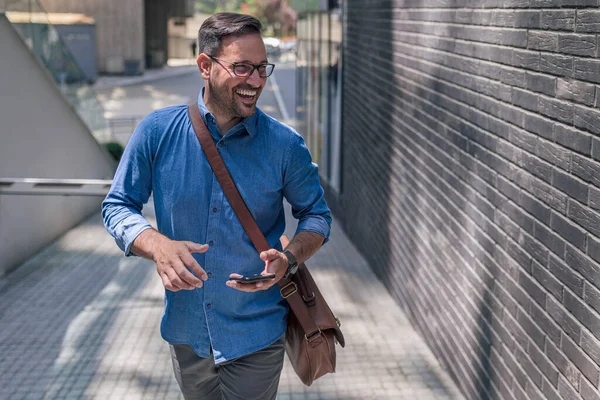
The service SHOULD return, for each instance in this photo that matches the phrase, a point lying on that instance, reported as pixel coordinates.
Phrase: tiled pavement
(80, 321)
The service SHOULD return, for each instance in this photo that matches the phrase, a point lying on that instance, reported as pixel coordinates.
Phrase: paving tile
(79, 320)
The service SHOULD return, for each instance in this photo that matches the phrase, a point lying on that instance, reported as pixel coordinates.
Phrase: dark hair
(221, 25)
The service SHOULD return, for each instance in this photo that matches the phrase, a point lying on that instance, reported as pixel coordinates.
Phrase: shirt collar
(250, 123)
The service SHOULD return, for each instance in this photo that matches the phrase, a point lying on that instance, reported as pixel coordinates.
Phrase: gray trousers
(251, 377)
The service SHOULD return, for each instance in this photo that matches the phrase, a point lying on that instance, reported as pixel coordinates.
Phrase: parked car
(272, 46)
(288, 46)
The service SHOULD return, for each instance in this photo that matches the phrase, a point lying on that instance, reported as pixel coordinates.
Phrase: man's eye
(243, 68)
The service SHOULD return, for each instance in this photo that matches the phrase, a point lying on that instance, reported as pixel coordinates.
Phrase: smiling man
(227, 339)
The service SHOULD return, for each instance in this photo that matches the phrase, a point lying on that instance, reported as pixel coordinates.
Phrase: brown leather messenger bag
(312, 329)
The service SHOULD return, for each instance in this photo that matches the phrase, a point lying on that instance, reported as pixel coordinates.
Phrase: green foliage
(213, 6)
(206, 6)
(305, 5)
(277, 17)
(115, 149)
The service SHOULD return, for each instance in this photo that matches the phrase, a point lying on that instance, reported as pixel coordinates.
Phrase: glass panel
(335, 85)
(323, 125)
(309, 100)
(310, 83)
(313, 96)
(33, 24)
(302, 72)
(319, 95)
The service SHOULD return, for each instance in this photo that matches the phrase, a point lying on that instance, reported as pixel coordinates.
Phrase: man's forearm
(304, 245)
(146, 242)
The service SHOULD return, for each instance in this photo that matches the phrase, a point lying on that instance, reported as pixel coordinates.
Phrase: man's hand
(275, 263)
(171, 259)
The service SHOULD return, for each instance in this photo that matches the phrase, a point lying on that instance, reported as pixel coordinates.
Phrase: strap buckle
(308, 299)
(314, 335)
(292, 291)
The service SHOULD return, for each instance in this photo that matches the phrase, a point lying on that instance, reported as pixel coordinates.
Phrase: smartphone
(254, 278)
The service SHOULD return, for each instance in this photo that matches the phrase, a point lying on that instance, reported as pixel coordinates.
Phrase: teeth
(247, 92)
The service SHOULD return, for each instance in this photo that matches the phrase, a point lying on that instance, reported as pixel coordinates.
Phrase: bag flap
(318, 308)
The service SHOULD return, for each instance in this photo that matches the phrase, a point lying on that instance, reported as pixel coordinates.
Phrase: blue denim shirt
(268, 161)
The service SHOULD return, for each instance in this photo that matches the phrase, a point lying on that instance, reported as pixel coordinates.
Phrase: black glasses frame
(254, 67)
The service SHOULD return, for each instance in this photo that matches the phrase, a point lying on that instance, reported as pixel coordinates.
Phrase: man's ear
(204, 64)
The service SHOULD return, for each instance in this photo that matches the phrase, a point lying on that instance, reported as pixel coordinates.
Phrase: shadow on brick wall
(397, 206)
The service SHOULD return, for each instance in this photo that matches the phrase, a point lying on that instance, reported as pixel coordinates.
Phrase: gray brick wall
(471, 183)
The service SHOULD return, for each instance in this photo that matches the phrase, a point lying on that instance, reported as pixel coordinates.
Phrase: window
(319, 92)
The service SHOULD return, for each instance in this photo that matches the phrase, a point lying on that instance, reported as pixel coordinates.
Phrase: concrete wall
(471, 183)
(182, 8)
(40, 137)
(119, 29)
(156, 17)
(182, 36)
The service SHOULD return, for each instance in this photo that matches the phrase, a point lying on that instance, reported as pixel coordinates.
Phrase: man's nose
(254, 79)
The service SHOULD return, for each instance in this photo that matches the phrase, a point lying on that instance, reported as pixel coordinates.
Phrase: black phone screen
(254, 278)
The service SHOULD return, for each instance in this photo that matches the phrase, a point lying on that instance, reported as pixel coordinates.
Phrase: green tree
(305, 5)
(276, 16)
(279, 15)
(206, 6)
(229, 5)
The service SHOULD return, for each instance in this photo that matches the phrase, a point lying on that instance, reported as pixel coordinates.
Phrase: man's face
(234, 95)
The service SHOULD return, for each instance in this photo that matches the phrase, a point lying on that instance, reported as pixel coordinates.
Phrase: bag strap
(248, 223)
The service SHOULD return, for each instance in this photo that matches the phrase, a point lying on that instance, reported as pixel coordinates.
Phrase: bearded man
(227, 339)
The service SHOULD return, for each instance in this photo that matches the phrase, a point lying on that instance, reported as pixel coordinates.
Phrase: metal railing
(54, 187)
(121, 128)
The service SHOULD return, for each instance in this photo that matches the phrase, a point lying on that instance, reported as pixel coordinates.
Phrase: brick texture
(471, 166)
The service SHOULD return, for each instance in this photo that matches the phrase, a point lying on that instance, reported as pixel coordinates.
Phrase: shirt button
(208, 305)
(211, 243)
(215, 209)
(209, 274)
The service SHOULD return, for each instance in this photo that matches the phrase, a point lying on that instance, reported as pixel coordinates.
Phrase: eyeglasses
(246, 69)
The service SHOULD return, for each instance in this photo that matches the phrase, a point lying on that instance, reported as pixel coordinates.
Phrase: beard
(225, 101)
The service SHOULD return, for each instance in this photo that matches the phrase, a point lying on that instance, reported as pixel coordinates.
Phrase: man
(194, 46)
(226, 338)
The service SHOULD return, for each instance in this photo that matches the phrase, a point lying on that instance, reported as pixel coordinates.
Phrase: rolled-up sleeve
(302, 189)
(131, 188)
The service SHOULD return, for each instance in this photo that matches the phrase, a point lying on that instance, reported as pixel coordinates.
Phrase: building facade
(42, 136)
(119, 30)
(319, 88)
(77, 34)
(131, 35)
(467, 171)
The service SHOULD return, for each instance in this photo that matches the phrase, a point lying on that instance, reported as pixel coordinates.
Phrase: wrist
(292, 265)
(149, 243)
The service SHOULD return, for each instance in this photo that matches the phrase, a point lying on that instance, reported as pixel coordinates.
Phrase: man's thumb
(196, 247)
